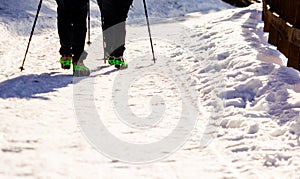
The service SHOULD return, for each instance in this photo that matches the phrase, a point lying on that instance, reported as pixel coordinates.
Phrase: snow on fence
(282, 21)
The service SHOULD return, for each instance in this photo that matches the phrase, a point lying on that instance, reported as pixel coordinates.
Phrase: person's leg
(79, 12)
(72, 29)
(107, 8)
(64, 27)
(122, 9)
(114, 14)
(79, 15)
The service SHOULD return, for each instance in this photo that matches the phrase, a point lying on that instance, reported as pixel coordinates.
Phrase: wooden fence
(282, 21)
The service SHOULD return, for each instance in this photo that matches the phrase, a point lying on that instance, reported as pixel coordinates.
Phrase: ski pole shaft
(89, 23)
(148, 24)
(31, 34)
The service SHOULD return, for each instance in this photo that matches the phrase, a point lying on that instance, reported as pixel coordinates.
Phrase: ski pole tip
(22, 68)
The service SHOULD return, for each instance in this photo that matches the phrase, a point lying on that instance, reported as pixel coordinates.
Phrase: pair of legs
(71, 22)
(72, 28)
(114, 14)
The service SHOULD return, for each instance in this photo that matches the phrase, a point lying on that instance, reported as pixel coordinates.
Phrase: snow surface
(222, 48)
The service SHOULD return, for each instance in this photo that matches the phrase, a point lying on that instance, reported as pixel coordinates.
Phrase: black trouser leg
(71, 21)
(64, 30)
(79, 31)
(114, 14)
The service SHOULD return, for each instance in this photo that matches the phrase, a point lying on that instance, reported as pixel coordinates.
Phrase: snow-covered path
(227, 59)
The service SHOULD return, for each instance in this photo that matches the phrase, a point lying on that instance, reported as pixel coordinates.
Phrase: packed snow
(249, 101)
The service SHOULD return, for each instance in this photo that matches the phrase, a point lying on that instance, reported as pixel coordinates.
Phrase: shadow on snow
(29, 86)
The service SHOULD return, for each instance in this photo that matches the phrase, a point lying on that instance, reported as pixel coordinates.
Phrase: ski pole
(89, 23)
(146, 13)
(31, 34)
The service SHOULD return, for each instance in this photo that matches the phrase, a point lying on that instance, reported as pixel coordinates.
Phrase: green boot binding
(118, 62)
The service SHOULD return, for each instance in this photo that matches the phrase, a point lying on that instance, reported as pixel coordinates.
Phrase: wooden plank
(266, 26)
(288, 32)
(273, 35)
(266, 19)
(283, 45)
(275, 6)
(294, 57)
(295, 37)
(279, 24)
(264, 7)
(296, 22)
(288, 12)
(272, 4)
(279, 10)
(282, 20)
